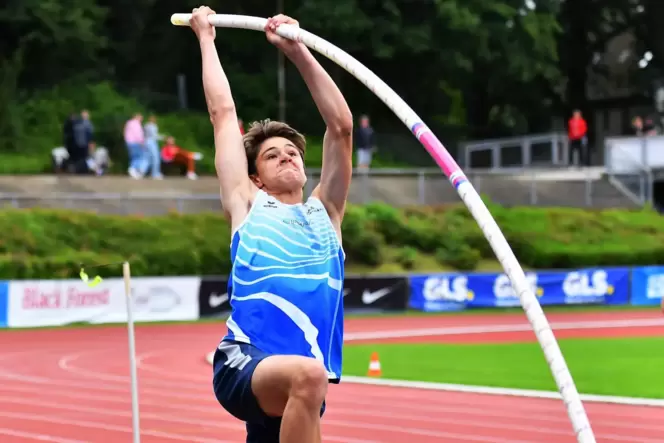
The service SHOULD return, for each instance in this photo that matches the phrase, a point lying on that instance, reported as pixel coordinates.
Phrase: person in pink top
(134, 138)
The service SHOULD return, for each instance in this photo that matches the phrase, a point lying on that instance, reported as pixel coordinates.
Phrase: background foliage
(470, 68)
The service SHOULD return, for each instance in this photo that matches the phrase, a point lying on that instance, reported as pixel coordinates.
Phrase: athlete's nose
(286, 158)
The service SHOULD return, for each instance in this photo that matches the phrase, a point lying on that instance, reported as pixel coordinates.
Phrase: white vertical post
(132, 353)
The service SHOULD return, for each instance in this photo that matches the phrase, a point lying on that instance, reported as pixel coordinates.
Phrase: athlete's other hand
(271, 26)
(201, 25)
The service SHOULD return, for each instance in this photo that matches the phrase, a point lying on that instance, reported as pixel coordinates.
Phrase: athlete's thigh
(234, 366)
(274, 378)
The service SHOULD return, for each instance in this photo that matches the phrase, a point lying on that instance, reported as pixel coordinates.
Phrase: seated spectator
(59, 159)
(98, 161)
(171, 153)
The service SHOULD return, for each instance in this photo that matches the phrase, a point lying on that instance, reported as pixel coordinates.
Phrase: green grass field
(629, 367)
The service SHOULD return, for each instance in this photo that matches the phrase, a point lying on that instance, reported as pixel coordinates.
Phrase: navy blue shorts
(234, 364)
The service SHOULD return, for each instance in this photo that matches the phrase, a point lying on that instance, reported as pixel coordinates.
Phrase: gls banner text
(456, 291)
(647, 285)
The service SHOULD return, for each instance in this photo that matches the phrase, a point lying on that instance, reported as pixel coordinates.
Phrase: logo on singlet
(312, 210)
(294, 222)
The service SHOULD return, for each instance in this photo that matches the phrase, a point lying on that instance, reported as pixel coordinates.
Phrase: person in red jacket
(171, 153)
(577, 132)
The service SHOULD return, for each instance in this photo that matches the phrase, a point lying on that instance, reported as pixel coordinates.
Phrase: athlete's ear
(256, 180)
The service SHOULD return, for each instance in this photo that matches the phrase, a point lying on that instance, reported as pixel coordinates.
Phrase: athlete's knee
(309, 382)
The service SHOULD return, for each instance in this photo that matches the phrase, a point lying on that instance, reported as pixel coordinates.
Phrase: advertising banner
(60, 302)
(382, 293)
(647, 285)
(4, 299)
(213, 300)
(456, 291)
(440, 292)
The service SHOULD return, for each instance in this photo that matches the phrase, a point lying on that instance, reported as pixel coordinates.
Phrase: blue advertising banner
(441, 292)
(647, 285)
(608, 286)
(4, 303)
(450, 292)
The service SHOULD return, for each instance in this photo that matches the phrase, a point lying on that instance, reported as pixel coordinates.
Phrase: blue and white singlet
(286, 283)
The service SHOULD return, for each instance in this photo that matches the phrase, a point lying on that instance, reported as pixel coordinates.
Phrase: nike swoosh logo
(369, 297)
(217, 300)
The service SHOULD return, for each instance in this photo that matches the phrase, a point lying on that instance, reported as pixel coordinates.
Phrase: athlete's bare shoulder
(240, 205)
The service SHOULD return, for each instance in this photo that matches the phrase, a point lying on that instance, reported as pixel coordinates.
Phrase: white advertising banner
(61, 302)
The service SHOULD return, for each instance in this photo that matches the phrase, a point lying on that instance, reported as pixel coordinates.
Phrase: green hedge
(53, 243)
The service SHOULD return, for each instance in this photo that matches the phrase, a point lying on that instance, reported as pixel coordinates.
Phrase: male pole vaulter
(285, 333)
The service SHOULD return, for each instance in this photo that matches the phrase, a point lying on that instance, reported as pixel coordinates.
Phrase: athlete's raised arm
(338, 141)
(230, 157)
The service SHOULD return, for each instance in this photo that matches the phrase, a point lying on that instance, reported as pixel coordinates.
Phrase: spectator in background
(99, 161)
(577, 132)
(78, 133)
(152, 138)
(83, 132)
(171, 153)
(364, 142)
(96, 161)
(637, 126)
(134, 138)
(650, 128)
(643, 129)
(68, 136)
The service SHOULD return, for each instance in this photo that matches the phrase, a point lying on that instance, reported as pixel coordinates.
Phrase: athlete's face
(279, 165)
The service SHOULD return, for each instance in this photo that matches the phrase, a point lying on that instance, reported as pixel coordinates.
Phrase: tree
(59, 40)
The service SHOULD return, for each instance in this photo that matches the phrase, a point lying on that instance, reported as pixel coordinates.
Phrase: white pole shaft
(126, 274)
(554, 357)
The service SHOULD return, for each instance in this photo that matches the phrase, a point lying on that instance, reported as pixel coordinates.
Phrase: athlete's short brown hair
(259, 131)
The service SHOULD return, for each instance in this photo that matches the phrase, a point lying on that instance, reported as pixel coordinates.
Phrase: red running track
(71, 386)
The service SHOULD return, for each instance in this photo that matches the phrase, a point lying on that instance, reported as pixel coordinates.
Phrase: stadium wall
(38, 303)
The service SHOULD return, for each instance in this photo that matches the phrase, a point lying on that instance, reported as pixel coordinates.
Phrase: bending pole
(466, 191)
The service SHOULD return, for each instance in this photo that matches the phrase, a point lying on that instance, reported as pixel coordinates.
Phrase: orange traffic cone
(374, 366)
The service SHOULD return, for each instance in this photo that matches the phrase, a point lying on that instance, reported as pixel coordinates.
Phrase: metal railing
(569, 187)
(551, 149)
(631, 154)
(629, 162)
